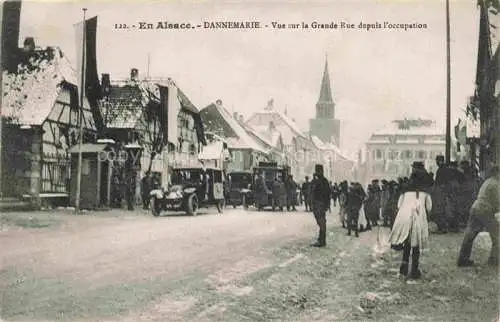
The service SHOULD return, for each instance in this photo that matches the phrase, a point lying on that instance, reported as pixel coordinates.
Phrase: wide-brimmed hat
(420, 179)
(418, 165)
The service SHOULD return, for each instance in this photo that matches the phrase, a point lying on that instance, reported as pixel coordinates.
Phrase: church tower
(324, 125)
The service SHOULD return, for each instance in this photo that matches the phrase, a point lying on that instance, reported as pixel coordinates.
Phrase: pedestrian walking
(467, 192)
(410, 232)
(261, 192)
(482, 217)
(291, 194)
(372, 206)
(343, 191)
(320, 190)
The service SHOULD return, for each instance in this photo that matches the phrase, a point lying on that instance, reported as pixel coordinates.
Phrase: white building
(391, 150)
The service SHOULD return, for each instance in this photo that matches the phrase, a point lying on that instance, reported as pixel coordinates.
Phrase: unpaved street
(91, 266)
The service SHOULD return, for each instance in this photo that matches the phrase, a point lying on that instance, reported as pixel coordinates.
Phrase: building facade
(484, 106)
(391, 150)
(40, 115)
(337, 166)
(325, 126)
(156, 115)
(274, 123)
(245, 151)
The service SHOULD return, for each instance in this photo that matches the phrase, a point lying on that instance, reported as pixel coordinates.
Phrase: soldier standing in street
(320, 190)
(130, 189)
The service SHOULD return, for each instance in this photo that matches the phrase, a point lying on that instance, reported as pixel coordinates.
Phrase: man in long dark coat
(468, 192)
(354, 204)
(371, 207)
(320, 197)
(439, 195)
(343, 191)
(291, 194)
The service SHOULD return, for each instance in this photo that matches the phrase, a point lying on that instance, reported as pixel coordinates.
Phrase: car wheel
(220, 206)
(192, 205)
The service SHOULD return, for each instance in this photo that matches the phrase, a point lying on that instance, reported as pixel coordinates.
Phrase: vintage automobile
(189, 190)
(269, 171)
(239, 189)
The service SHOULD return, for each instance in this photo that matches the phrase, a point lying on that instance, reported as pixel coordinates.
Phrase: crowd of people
(454, 198)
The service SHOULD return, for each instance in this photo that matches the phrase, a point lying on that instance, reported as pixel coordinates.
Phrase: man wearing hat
(320, 197)
(439, 195)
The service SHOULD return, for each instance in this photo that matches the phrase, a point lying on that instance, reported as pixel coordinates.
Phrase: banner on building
(88, 66)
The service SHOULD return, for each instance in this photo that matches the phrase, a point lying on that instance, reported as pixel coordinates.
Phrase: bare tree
(152, 124)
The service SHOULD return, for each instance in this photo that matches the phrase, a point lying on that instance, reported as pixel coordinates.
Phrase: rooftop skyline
(376, 76)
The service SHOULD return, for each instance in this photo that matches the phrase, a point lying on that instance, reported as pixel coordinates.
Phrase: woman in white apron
(410, 232)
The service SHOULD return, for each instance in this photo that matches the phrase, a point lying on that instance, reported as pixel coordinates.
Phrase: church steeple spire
(325, 94)
(325, 126)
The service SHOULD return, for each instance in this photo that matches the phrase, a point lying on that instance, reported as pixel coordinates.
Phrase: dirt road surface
(117, 266)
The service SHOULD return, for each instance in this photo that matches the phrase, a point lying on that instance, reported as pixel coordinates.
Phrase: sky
(376, 75)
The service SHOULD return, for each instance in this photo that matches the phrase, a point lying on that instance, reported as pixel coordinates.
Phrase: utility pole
(80, 117)
(448, 85)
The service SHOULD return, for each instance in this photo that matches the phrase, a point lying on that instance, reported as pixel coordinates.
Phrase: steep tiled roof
(30, 94)
(217, 119)
(123, 107)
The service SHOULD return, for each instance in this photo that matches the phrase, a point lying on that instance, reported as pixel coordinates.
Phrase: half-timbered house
(40, 115)
(245, 150)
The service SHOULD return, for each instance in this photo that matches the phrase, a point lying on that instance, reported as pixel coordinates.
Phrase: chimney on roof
(105, 85)
(134, 74)
(11, 18)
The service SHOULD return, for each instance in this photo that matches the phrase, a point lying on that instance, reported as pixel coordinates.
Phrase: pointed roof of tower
(325, 94)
